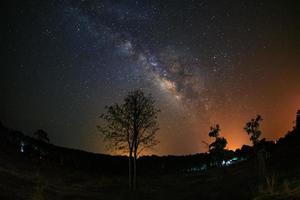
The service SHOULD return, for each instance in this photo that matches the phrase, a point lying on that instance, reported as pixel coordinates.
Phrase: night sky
(204, 62)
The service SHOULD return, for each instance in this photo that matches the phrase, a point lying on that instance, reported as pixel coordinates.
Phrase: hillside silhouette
(35, 169)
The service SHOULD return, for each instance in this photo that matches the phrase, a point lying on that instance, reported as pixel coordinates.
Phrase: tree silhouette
(253, 129)
(214, 131)
(219, 144)
(131, 127)
(41, 135)
(217, 148)
(260, 154)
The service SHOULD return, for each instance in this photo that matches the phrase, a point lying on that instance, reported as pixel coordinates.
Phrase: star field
(204, 62)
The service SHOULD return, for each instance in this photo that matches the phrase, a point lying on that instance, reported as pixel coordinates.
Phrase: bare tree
(253, 129)
(131, 127)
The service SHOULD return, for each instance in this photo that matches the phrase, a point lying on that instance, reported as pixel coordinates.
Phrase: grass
(275, 189)
(19, 180)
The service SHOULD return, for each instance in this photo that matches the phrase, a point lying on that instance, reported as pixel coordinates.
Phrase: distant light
(22, 145)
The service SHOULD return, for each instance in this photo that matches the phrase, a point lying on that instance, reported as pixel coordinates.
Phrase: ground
(24, 178)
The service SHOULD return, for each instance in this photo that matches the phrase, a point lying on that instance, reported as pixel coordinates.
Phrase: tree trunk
(261, 165)
(130, 170)
(134, 170)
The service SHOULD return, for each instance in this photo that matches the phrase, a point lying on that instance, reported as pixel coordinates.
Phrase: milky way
(204, 62)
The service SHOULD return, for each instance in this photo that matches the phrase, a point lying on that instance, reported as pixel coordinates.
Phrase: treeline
(15, 143)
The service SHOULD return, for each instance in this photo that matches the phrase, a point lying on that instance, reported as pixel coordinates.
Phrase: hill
(72, 174)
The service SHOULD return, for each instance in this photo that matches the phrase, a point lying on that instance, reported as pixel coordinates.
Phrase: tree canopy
(131, 126)
(42, 135)
(253, 129)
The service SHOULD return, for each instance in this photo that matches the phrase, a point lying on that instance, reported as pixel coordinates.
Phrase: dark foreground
(26, 177)
(21, 179)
